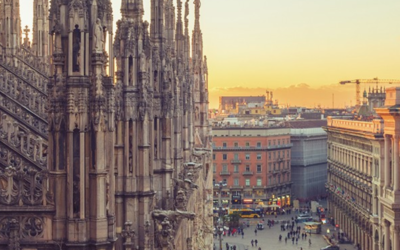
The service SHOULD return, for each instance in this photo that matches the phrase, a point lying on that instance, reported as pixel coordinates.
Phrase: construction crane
(368, 81)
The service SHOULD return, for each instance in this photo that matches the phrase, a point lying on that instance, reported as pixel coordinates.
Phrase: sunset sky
(299, 49)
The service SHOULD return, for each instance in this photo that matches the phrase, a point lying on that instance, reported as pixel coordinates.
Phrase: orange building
(254, 163)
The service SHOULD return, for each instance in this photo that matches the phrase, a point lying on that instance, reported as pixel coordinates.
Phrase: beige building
(364, 176)
(104, 155)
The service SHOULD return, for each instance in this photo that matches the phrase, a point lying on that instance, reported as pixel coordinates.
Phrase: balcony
(224, 173)
(236, 161)
(248, 173)
(289, 145)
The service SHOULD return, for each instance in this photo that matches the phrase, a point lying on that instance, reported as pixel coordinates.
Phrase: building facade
(254, 163)
(309, 163)
(104, 155)
(364, 176)
(354, 156)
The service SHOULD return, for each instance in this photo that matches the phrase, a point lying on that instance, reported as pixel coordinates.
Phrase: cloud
(301, 94)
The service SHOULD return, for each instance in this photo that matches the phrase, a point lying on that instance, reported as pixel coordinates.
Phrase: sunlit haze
(300, 49)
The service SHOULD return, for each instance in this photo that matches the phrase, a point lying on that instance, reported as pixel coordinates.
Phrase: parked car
(260, 226)
(331, 248)
(304, 219)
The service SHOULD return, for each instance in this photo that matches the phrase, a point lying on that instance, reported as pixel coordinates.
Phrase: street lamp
(219, 224)
(220, 230)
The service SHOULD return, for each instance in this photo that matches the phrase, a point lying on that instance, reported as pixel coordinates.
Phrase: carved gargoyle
(192, 165)
(171, 215)
(185, 183)
(200, 152)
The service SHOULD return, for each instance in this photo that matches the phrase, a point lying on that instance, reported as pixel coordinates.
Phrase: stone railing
(22, 141)
(19, 113)
(25, 95)
(376, 126)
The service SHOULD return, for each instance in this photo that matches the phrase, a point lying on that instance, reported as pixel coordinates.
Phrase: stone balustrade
(375, 126)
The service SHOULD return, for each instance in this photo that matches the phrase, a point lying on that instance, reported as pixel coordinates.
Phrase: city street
(269, 237)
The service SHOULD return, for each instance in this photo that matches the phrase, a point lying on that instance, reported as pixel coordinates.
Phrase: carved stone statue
(142, 62)
(76, 47)
(98, 37)
(180, 200)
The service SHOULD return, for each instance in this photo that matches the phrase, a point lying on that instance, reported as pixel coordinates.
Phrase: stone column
(396, 245)
(396, 162)
(387, 235)
(386, 157)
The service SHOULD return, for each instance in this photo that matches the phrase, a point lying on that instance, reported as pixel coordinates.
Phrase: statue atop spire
(27, 43)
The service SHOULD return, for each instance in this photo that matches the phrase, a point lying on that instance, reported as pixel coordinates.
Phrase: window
(247, 168)
(224, 168)
(259, 181)
(269, 143)
(247, 144)
(269, 156)
(258, 144)
(236, 144)
(258, 168)
(224, 181)
(247, 182)
(247, 156)
(236, 182)
(236, 168)
(213, 156)
(288, 153)
(224, 157)
(214, 168)
(274, 155)
(279, 142)
(259, 156)
(224, 144)
(236, 157)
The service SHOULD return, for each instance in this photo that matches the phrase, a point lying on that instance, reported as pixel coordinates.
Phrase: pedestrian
(242, 234)
(252, 243)
(256, 242)
(280, 237)
(309, 242)
(292, 240)
(297, 239)
(302, 248)
(285, 240)
(255, 231)
(259, 248)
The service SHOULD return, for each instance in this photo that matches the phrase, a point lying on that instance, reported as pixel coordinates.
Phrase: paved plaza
(269, 237)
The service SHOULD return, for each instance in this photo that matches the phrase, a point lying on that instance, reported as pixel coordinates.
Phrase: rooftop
(375, 126)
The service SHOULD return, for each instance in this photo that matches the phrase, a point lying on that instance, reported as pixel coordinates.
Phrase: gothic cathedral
(104, 136)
